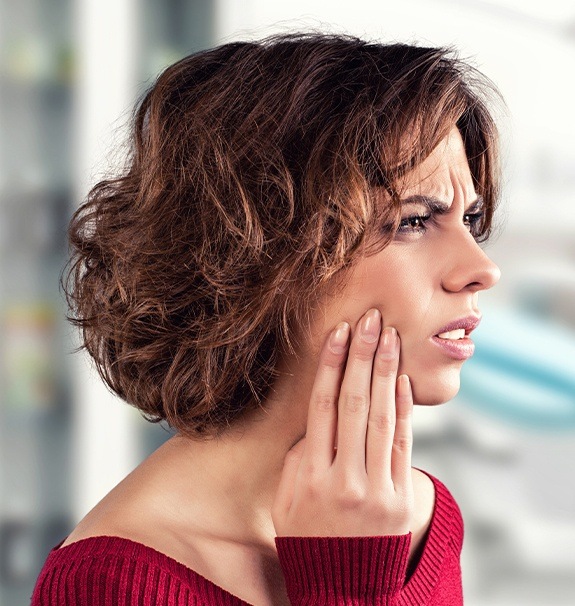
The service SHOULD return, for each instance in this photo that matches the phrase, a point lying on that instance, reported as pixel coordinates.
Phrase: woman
(288, 263)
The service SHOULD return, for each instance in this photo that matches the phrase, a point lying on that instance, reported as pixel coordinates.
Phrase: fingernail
(339, 337)
(389, 337)
(371, 326)
(403, 385)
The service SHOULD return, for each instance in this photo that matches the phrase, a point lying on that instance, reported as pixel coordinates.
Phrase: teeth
(453, 334)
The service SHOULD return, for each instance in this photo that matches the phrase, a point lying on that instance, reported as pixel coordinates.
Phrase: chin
(435, 390)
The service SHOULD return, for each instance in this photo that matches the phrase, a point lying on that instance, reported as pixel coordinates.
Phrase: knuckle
(333, 360)
(402, 443)
(325, 402)
(381, 423)
(404, 415)
(385, 365)
(351, 496)
(404, 398)
(364, 354)
(354, 403)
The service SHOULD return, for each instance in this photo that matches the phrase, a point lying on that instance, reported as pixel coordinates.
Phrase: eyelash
(405, 228)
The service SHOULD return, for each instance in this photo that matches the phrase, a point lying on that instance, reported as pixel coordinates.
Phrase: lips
(468, 323)
(458, 349)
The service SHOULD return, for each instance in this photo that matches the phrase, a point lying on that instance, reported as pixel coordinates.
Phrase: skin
(422, 280)
(277, 471)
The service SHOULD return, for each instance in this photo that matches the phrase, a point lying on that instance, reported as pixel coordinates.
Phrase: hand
(351, 474)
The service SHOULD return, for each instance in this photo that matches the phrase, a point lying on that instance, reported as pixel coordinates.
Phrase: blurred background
(70, 72)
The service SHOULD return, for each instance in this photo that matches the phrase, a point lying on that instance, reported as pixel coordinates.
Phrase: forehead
(444, 174)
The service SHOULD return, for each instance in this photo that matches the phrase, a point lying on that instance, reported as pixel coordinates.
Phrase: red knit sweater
(112, 571)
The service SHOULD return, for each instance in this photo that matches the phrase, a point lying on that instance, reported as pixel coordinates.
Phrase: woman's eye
(418, 223)
(415, 223)
(473, 220)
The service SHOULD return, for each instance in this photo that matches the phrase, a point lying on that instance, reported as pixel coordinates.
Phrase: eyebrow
(439, 207)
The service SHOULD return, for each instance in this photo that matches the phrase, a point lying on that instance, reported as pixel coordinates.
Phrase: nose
(469, 268)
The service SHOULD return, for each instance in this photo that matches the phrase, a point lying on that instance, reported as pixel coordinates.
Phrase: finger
(382, 417)
(322, 415)
(286, 487)
(354, 398)
(403, 437)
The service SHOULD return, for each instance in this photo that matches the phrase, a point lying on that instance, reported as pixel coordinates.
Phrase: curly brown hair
(254, 177)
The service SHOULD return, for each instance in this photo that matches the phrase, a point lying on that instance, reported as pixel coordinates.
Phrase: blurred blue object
(523, 370)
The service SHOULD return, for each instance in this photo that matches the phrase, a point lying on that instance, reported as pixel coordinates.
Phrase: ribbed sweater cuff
(343, 570)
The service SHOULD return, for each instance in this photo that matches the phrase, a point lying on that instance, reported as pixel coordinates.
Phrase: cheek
(404, 299)
(397, 284)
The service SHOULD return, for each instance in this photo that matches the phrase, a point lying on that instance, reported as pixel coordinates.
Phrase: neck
(234, 476)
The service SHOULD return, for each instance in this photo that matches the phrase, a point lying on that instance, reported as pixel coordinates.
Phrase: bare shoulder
(112, 516)
(134, 510)
(142, 509)
(424, 490)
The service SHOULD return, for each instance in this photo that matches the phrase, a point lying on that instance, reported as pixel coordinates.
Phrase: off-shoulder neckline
(417, 589)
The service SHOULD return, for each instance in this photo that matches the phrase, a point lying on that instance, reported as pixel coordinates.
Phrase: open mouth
(458, 330)
(453, 335)
(455, 343)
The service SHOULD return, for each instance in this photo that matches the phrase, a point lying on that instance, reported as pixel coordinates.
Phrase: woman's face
(428, 277)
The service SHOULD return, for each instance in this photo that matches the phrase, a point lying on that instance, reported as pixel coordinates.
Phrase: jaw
(435, 387)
